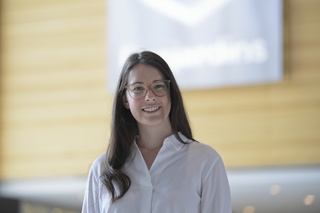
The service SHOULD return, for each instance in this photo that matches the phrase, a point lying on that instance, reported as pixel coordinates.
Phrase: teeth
(151, 109)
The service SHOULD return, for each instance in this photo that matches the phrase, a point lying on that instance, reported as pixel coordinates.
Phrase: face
(151, 110)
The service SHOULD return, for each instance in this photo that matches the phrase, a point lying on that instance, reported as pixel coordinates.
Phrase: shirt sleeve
(215, 196)
(92, 192)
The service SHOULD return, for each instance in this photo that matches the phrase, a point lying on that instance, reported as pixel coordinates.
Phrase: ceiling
(254, 190)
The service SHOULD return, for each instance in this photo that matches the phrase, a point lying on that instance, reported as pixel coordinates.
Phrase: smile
(151, 109)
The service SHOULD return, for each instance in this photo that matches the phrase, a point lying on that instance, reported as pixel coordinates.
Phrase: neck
(151, 138)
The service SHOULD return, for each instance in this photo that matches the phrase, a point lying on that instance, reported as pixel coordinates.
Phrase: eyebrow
(140, 82)
(137, 82)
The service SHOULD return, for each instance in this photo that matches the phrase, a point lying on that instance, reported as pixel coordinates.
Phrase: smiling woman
(153, 164)
(144, 102)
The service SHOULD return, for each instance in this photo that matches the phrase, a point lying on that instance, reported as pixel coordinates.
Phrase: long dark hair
(124, 127)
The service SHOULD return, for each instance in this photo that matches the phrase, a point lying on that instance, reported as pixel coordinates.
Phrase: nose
(150, 96)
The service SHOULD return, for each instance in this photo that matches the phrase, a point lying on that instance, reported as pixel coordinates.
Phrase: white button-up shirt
(184, 178)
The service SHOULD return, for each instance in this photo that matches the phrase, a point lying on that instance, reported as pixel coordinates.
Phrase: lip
(150, 108)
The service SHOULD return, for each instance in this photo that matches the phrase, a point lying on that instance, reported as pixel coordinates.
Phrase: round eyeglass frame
(149, 87)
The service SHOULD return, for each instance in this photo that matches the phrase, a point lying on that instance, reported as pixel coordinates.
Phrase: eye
(137, 88)
(159, 86)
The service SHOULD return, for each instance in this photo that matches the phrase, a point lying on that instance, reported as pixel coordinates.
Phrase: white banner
(207, 43)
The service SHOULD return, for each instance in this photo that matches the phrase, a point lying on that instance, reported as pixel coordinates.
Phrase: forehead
(145, 74)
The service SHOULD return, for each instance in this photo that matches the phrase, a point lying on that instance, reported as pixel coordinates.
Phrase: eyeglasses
(139, 90)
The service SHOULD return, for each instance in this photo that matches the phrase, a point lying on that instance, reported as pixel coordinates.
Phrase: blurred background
(55, 111)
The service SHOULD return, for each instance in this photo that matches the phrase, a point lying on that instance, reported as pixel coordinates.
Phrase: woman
(152, 163)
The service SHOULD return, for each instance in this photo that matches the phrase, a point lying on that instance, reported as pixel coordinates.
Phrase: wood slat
(55, 107)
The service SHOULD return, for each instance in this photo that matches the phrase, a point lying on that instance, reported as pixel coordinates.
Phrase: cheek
(129, 100)
(168, 105)
(133, 105)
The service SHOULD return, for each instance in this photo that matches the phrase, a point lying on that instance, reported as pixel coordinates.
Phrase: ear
(125, 102)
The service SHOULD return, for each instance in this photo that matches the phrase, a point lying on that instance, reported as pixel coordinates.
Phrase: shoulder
(198, 147)
(100, 159)
(207, 159)
(98, 164)
(203, 151)
(195, 150)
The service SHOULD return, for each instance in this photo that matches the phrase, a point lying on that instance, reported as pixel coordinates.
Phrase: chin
(153, 123)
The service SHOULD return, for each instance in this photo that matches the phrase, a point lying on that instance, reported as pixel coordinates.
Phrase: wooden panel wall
(55, 110)
(54, 105)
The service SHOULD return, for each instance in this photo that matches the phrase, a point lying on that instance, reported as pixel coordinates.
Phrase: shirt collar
(171, 140)
(175, 142)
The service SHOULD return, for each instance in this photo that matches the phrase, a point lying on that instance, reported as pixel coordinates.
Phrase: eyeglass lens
(139, 90)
